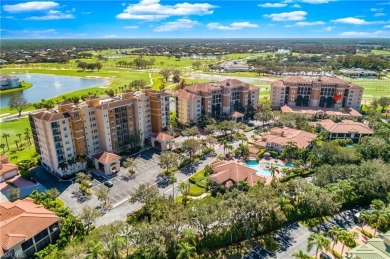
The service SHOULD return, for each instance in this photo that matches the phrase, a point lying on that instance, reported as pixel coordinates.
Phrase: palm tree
(19, 135)
(17, 144)
(184, 187)
(347, 238)
(2, 146)
(364, 217)
(95, 250)
(318, 240)
(301, 255)
(185, 251)
(6, 136)
(377, 219)
(129, 162)
(274, 170)
(335, 233)
(225, 143)
(242, 138)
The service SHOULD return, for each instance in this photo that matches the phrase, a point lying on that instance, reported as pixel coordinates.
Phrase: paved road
(293, 237)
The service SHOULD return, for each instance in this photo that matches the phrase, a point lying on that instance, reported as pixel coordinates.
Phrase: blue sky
(196, 19)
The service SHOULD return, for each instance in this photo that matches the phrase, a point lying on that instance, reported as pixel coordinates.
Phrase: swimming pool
(264, 171)
(260, 170)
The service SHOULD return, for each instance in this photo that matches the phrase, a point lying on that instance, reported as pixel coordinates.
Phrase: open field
(380, 52)
(374, 89)
(12, 128)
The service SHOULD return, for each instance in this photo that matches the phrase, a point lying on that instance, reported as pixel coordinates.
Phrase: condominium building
(96, 125)
(8, 82)
(326, 92)
(215, 100)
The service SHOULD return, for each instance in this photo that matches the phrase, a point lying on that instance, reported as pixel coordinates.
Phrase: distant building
(324, 92)
(215, 100)
(7, 170)
(346, 129)
(358, 72)
(277, 138)
(375, 248)
(95, 125)
(234, 66)
(228, 173)
(26, 228)
(8, 82)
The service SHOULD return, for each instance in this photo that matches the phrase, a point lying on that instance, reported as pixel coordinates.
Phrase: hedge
(336, 254)
(202, 182)
(304, 174)
(261, 152)
(196, 190)
(366, 233)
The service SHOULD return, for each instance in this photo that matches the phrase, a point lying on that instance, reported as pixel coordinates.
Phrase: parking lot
(146, 168)
(293, 237)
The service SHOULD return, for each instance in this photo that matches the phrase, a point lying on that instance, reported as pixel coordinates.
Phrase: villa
(345, 129)
(7, 169)
(228, 173)
(26, 228)
(8, 82)
(277, 138)
(323, 112)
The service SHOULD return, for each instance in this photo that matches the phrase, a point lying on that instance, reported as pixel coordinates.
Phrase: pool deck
(273, 162)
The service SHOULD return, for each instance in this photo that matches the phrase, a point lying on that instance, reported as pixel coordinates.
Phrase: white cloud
(272, 5)
(303, 24)
(329, 28)
(86, 12)
(52, 15)
(387, 26)
(130, 27)
(123, 4)
(6, 17)
(316, 1)
(153, 10)
(291, 16)
(35, 32)
(379, 14)
(355, 21)
(232, 27)
(296, 6)
(110, 36)
(179, 24)
(364, 34)
(376, 9)
(30, 6)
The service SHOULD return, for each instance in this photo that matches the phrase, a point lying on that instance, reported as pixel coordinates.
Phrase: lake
(47, 86)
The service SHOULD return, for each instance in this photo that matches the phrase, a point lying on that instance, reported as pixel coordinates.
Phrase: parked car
(108, 184)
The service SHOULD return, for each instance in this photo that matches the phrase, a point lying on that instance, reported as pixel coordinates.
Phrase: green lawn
(380, 52)
(12, 128)
(374, 89)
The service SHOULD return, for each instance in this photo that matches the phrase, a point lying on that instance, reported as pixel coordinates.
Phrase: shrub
(261, 153)
(11, 184)
(202, 182)
(296, 172)
(366, 233)
(336, 254)
(25, 174)
(196, 190)
(273, 153)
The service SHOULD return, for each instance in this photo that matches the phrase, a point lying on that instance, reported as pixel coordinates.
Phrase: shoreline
(27, 86)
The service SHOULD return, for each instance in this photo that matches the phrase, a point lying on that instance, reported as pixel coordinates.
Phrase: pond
(47, 86)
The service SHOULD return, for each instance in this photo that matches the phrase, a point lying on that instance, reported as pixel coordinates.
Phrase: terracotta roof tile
(114, 104)
(345, 126)
(237, 115)
(282, 136)
(187, 95)
(163, 137)
(14, 217)
(50, 116)
(106, 157)
(226, 171)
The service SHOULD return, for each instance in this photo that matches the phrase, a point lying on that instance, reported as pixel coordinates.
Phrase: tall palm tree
(6, 136)
(17, 144)
(274, 170)
(318, 240)
(301, 255)
(377, 219)
(347, 238)
(95, 250)
(186, 251)
(19, 135)
(335, 233)
(364, 217)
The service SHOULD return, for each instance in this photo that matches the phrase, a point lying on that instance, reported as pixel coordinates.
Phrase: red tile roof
(229, 172)
(106, 157)
(237, 115)
(206, 87)
(233, 83)
(282, 136)
(21, 220)
(50, 116)
(316, 110)
(161, 136)
(322, 80)
(345, 126)
(187, 95)
(114, 104)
